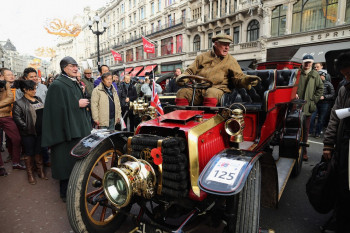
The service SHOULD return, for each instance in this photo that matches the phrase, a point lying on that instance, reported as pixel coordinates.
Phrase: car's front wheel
(87, 206)
(243, 209)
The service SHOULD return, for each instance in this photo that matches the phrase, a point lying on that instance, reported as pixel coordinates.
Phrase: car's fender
(226, 172)
(87, 144)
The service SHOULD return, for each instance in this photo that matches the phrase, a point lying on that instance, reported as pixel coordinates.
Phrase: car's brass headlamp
(134, 176)
(235, 126)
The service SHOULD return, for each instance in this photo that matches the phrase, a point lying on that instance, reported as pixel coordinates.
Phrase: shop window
(314, 14)
(167, 46)
(139, 53)
(196, 43)
(129, 55)
(179, 44)
(253, 30)
(227, 31)
(278, 21)
(153, 55)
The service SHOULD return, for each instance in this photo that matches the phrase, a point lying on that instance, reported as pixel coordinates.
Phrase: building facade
(11, 59)
(267, 30)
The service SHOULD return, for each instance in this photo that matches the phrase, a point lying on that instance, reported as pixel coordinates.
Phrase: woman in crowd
(323, 106)
(27, 114)
(105, 104)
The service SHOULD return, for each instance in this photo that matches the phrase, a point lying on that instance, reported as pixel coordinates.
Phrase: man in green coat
(310, 88)
(65, 121)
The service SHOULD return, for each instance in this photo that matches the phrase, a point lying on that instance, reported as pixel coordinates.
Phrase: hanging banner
(116, 56)
(148, 47)
(62, 28)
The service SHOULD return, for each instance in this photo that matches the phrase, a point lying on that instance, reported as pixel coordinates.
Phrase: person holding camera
(7, 123)
(129, 94)
(65, 121)
(146, 88)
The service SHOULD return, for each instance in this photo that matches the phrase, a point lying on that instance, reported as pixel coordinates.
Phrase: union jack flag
(155, 100)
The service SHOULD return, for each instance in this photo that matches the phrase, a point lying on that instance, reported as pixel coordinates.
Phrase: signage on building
(330, 35)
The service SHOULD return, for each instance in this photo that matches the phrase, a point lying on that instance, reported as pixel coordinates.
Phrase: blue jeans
(322, 109)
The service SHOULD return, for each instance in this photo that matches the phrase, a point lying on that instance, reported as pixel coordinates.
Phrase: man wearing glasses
(65, 121)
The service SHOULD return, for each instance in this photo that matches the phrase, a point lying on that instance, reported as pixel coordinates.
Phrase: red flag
(155, 100)
(148, 47)
(117, 56)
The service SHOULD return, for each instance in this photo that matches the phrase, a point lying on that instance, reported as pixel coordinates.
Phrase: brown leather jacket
(6, 100)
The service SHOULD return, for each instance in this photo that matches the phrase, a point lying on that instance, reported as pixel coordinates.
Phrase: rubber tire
(77, 215)
(299, 161)
(246, 212)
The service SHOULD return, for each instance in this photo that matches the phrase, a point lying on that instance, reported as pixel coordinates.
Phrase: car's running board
(284, 168)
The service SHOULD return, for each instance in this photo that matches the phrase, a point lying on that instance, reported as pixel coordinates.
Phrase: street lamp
(97, 33)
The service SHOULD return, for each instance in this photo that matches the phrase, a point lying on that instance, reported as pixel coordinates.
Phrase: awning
(136, 70)
(147, 70)
(319, 51)
(127, 71)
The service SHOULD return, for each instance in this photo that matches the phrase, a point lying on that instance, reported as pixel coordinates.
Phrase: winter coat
(6, 100)
(89, 85)
(172, 86)
(222, 71)
(100, 105)
(130, 93)
(24, 116)
(328, 92)
(63, 119)
(146, 89)
(313, 91)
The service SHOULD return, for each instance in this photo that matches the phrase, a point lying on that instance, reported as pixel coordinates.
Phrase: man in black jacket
(336, 143)
(172, 86)
(129, 94)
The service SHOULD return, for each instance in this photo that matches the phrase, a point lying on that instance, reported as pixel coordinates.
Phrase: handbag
(320, 188)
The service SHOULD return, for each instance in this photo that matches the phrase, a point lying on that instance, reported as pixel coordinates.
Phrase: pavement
(38, 208)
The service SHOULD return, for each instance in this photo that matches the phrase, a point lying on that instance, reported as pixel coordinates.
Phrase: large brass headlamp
(133, 176)
(235, 126)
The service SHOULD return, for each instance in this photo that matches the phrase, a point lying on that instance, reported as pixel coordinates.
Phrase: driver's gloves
(250, 80)
(183, 81)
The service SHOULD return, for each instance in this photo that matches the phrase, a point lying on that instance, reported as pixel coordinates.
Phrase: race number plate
(226, 171)
(145, 228)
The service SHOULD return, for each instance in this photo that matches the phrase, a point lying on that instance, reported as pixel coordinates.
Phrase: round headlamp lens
(116, 188)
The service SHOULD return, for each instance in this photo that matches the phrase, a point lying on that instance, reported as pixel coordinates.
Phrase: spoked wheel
(299, 161)
(88, 208)
(243, 209)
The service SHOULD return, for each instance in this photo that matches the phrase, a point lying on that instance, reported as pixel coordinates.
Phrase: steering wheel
(196, 82)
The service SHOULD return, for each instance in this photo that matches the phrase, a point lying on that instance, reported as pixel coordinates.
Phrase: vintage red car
(220, 162)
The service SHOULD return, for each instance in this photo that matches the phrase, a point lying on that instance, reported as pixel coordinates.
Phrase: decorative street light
(97, 33)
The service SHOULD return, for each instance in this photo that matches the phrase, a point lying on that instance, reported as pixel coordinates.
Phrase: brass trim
(160, 169)
(193, 135)
(129, 149)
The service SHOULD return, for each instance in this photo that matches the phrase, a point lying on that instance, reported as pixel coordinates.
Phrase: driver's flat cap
(222, 38)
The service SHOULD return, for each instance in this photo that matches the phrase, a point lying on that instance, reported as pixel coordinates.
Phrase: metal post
(97, 33)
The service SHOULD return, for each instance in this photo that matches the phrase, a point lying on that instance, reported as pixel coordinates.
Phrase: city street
(38, 208)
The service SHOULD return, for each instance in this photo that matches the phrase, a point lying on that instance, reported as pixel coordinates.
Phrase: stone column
(219, 8)
(228, 7)
(174, 45)
(203, 10)
(289, 18)
(341, 12)
(210, 9)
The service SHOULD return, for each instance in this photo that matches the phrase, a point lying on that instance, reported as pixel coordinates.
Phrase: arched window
(314, 14)
(196, 43)
(253, 30)
(278, 21)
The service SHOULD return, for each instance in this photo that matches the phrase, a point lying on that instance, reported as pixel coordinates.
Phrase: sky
(23, 21)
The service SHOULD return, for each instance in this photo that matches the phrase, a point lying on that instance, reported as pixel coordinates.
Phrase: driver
(217, 66)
